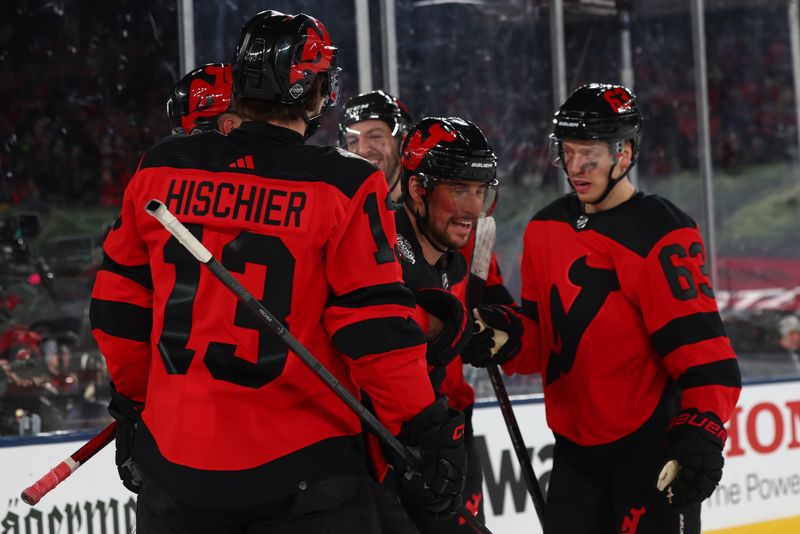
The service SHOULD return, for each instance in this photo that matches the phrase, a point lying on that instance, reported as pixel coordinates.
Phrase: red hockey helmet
(199, 98)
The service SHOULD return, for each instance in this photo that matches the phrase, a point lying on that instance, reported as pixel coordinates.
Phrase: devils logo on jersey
(568, 327)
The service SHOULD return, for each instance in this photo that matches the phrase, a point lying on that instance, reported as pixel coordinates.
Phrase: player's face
(373, 140)
(793, 340)
(587, 164)
(453, 209)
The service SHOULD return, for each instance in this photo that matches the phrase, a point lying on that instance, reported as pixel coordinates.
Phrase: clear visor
(471, 194)
(377, 138)
(591, 154)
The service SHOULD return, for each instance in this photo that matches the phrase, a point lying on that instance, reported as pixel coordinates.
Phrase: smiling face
(588, 164)
(453, 208)
(372, 139)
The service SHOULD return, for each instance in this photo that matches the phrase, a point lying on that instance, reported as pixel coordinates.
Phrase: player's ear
(229, 122)
(416, 192)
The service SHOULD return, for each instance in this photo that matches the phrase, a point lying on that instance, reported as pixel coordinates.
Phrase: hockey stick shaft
(160, 212)
(34, 493)
(517, 441)
(475, 290)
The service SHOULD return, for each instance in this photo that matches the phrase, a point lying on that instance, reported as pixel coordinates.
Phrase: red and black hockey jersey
(231, 415)
(617, 304)
(451, 273)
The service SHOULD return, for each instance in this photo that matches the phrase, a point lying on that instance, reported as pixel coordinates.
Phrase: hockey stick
(160, 212)
(56, 475)
(478, 272)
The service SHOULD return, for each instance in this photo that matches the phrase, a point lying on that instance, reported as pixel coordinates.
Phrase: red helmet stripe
(317, 54)
(417, 148)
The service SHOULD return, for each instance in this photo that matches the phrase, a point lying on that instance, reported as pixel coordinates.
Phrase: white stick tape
(157, 209)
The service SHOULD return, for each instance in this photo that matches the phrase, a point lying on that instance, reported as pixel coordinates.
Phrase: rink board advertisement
(761, 483)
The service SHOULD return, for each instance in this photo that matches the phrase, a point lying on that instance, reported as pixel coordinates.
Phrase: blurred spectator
(789, 330)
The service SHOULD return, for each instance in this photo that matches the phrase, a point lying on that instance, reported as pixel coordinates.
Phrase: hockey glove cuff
(436, 437)
(126, 412)
(497, 337)
(455, 335)
(695, 441)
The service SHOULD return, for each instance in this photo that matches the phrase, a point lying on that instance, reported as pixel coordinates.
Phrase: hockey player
(621, 321)
(374, 126)
(201, 101)
(448, 181)
(220, 427)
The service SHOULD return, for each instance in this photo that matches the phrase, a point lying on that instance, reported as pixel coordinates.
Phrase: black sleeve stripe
(721, 373)
(394, 293)
(139, 274)
(687, 330)
(121, 319)
(530, 310)
(376, 336)
(497, 294)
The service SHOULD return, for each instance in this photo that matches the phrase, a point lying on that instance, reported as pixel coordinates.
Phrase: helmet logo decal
(209, 95)
(296, 90)
(417, 148)
(317, 54)
(618, 98)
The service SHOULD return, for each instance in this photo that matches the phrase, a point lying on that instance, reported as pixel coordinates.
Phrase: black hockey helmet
(598, 112)
(278, 56)
(375, 105)
(440, 149)
(199, 98)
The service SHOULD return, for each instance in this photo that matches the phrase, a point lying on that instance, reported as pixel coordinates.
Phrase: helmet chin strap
(611, 183)
(394, 204)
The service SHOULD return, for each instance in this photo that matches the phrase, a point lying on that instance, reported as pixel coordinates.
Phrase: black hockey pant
(612, 497)
(337, 505)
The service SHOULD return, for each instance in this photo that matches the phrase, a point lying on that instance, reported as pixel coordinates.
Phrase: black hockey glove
(695, 441)
(455, 335)
(126, 413)
(495, 341)
(436, 437)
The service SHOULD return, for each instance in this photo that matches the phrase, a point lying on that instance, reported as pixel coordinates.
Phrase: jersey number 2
(220, 357)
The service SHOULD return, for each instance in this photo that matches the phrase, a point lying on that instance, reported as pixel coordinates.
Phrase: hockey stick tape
(499, 336)
(157, 209)
(668, 474)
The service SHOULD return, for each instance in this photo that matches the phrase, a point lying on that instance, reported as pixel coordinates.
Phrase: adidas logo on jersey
(243, 163)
